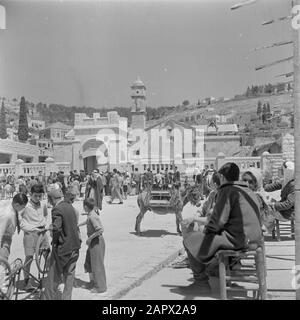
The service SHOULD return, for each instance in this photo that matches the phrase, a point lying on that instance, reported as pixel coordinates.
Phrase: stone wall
(63, 152)
(17, 150)
(229, 145)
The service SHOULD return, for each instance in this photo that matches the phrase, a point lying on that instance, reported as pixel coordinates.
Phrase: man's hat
(55, 193)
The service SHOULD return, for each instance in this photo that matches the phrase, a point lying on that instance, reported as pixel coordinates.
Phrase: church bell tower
(138, 109)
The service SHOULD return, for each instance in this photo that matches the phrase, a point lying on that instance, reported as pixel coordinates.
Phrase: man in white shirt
(9, 221)
(33, 221)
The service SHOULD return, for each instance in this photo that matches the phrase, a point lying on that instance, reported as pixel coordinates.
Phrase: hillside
(240, 107)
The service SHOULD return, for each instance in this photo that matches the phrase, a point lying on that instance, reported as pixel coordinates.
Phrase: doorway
(90, 164)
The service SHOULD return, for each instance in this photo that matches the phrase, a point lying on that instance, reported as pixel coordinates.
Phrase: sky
(88, 53)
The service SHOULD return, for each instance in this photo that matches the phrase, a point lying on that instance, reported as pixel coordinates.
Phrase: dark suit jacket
(98, 191)
(65, 229)
(236, 215)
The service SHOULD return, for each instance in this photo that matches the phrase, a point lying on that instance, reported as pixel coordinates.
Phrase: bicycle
(42, 259)
(8, 274)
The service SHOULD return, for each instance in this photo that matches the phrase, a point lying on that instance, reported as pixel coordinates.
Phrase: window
(137, 152)
(204, 147)
(145, 167)
(162, 167)
(132, 168)
(57, 135)
(153, 167)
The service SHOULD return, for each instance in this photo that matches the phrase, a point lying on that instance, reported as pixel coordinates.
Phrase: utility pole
(296, 39)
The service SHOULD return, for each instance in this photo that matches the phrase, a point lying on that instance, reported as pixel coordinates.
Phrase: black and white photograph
(149, 151)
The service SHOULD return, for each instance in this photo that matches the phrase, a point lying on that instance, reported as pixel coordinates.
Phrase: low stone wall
(20, 168)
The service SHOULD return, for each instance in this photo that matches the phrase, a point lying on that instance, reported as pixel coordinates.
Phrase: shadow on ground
(191, 292)
(78, 283)
(282, 238)
(155, 233)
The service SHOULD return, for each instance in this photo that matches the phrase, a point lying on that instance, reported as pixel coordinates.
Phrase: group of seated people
(235, 216)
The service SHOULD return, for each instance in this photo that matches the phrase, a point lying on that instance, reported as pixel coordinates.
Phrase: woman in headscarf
(253, 177)
(284, 208)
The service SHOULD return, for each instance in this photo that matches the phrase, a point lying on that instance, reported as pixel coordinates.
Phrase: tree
(3, 132)
(23, 124)
(186, 103)
(248, 92)
(259, 109)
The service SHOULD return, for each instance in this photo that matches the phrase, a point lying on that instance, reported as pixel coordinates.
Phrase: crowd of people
(28, 212)
(113, 183)
(234, 216)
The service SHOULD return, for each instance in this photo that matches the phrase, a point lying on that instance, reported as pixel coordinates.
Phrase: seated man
(284, 209)
(234, 224)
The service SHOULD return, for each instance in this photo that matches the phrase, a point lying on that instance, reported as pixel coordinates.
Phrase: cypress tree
(23, 124)
(259, 109)
(3, 132)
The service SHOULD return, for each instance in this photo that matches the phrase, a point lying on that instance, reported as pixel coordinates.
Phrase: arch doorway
(95, 155)
(90, 163)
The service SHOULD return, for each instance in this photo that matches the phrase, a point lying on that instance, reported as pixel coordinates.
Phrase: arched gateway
(94, 155)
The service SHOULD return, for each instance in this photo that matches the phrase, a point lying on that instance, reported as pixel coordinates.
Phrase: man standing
(9, 221)
(41, 179)
(137, 180)
(94, 189)
(34, 219)
(115, 187)
(65, 247)
(234, 224)
(149, 179)
(61, 180)
(176, 178)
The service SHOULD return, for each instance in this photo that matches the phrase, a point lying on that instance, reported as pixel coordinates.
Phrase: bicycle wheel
(5, 272)
(42, 255)
(15, 270)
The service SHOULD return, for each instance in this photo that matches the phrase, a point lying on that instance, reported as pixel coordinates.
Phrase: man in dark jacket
(94, 189)
(65, 247)
(233, 225)
(176, 178)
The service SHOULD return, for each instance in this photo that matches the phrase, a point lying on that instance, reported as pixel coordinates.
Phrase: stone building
(11, 150)
(108, 142)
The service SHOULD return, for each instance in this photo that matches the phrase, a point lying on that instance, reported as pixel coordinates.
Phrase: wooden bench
(283, 226)
(253, 273)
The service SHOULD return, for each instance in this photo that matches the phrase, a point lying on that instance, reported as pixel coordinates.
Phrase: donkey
(178, 200)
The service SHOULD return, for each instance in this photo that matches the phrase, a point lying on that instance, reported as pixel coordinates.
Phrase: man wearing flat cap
(65, 247)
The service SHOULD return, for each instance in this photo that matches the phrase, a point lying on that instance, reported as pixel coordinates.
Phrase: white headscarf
(288, 172)
(258, 176)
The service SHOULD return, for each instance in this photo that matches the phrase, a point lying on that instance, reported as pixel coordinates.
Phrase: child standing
(94, 261)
